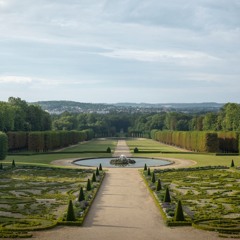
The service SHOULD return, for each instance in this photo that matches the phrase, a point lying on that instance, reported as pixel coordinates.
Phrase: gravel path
(124, 209)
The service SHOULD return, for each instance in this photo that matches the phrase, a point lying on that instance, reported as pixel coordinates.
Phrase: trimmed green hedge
(193, 140)
(44, 141)
(3, 145)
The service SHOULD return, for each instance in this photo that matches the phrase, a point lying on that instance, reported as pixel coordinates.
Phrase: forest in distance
(18, 115)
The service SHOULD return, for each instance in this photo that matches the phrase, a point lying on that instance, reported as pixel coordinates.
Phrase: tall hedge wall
(17, 140)
(50, 140)
(229, 142)
(46, 140)
(192, 140)
(3, 145)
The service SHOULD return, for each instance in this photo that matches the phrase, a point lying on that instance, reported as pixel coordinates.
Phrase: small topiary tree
(159, 185)
(149, 172)
(153, 178)
(145, 167)
(1, 166)
(70, 212)
(89, 187)
(81, 196)
(136, 150)
(94, 178)
(232, 163)
(108, 150)
(179, 216)
(13, 164)
(97, 172)
(167, 197)
(100, 167)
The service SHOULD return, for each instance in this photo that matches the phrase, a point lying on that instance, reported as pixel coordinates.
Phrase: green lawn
(201, 159)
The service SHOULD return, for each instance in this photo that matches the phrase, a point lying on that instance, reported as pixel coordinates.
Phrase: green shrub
(136, 150)
(179, 216)
(89, 187)
(70, 212)
(13, 163)
(145, 167)
(94, 178)
(100, 167)
(149, 172)
(97, 172)
(81, 196)
(159, 185)
(232, 163)
(153, 178)
(167, 197)
(108, 150)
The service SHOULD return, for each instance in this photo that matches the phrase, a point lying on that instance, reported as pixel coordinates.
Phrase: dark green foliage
(145, 167)
(159, 185)
(89, 187)
(17, 141)
(232, 163)
(167, 197)
(81, 196)
(108, 150)
(94, 177)
(179, 216)
(13, 163)
(153, 178)
(136, 150)
(3, 145)
(100, 167)
(97, 172)
(199, 141)
(149, 172)
(70, 212)
(1, 166)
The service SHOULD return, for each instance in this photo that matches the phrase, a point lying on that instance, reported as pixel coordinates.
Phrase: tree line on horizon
(18, 115)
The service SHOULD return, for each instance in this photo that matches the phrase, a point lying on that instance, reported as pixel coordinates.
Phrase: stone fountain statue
(122, 161)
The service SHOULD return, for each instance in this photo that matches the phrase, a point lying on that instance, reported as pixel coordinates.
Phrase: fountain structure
(122, 161)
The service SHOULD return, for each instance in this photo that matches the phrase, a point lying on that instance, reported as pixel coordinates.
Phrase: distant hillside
(58, 107)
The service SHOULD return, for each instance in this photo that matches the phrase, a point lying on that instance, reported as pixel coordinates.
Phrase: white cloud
(15, 79)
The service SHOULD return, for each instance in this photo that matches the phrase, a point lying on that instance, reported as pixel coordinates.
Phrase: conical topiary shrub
(167, 197)
(159, 185)
(94, 178)
(13, 163)
(153, 178)
(70, 212)
(108, 150)
(149, 172)
(1, 166)
(97, 172)
(89, 187)
(232, 163)
(81, 196)
(100, 167)
(145, 167)
(179, 216)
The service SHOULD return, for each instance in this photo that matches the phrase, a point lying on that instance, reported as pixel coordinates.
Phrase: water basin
(105, 162)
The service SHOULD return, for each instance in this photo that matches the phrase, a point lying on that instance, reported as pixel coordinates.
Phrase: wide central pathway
(124, 210)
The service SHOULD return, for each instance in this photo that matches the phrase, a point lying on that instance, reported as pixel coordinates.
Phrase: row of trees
(46, 140)
(18, 115)
(198, 141)
(138, 124)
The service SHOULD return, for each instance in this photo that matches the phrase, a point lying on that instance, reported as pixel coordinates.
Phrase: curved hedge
(3, 145)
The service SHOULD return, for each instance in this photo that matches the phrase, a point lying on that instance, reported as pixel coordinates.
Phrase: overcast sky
(154, 51)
